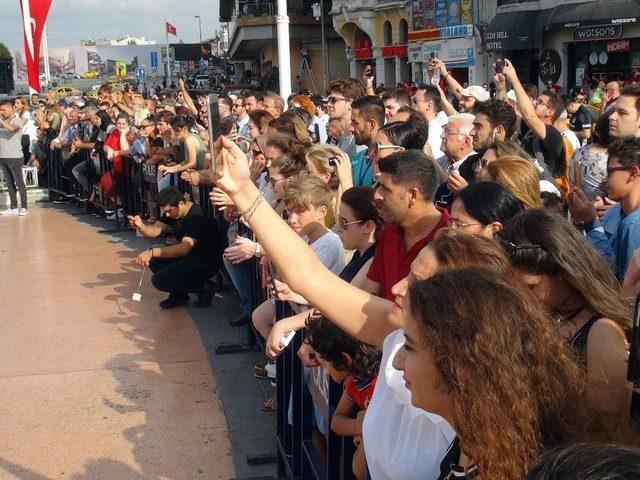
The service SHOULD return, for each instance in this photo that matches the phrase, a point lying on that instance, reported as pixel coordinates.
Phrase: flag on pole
(171, 29)
(34, 15)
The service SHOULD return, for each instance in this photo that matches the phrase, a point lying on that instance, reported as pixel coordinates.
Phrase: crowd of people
(465, 263)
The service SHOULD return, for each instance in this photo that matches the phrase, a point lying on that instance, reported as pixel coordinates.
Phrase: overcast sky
(70, 21)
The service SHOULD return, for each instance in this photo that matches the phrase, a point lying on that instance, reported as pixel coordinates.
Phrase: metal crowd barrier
(297, 389)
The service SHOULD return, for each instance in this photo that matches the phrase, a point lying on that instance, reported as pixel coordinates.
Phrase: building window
(403, 32)
(388, 34)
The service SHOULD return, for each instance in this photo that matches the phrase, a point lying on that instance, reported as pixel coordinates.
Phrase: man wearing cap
(469, 97)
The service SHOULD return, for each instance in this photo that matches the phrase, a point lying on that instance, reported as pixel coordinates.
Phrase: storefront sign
(617, 46)
(466, 12)
(550, 66)
(394, 51)
(429, 14)
(441, 13)
(453, 13)
(439, 33)
(597, 32)
(455, 52)
(414, 52)
(417, 8)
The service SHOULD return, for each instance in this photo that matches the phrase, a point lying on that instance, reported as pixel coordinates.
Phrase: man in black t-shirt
(543, 141)
(581, 119)
(187, 266)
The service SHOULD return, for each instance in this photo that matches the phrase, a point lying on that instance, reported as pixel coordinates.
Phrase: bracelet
(248, 213)
(446, 76)
(151, 250)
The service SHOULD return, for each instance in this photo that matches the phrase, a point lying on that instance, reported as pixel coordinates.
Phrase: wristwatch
(258, 250)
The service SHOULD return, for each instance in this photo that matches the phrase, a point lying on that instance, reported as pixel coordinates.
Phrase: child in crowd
(355, 365)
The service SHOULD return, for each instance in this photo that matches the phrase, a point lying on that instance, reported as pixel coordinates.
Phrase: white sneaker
(23, 212)
(10, 211)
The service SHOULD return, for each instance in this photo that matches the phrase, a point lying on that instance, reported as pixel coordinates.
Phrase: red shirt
(392, 261)
(360, 391)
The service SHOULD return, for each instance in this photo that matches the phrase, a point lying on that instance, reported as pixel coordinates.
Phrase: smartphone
(272, 275)
(213, 121)
(432, 55)
(368, 71)
(499, 66)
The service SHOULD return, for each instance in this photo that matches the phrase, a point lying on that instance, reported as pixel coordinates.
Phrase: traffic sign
(140, 72)
(154, 59)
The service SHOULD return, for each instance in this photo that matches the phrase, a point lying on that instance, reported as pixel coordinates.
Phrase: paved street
(94, 385)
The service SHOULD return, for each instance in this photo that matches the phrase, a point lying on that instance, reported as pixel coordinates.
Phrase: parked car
(21, 92)
(66, 91)
(69, 76)
(202, 82)
(90, 74)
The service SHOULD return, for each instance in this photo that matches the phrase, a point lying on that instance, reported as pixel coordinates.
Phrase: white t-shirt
(572, 137)
(435, 131)
(328, 248)
(401, 442)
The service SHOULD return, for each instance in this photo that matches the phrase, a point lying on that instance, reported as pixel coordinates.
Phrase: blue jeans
(243, 275)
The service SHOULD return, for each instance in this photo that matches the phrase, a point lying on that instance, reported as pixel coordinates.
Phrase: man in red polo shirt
(404, 197)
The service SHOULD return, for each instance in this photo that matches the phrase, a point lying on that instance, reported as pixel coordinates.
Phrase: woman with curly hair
(481, 354)
(561, 268)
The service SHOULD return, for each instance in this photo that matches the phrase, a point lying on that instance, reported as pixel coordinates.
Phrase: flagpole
(168, 72)
(45, 54)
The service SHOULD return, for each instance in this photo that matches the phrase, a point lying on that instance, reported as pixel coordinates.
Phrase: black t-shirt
(195, 225)
(449, 469)
(549, 152)
(352, 268)
(581, 120)
(444, 197)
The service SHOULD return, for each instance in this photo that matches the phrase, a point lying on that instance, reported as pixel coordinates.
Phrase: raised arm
(187, 98)
(355, 311)
(527, 110)
(453, 84)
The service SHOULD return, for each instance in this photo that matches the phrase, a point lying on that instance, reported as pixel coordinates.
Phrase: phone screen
(272, 274)
(213, 120)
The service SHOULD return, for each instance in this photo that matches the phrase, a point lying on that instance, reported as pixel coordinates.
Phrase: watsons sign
(597, 32)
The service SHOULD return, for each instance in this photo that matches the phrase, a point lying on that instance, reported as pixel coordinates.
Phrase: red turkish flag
(34, 16)
(171, 29)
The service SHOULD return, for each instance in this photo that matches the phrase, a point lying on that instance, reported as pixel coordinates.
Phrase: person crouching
(187, 266)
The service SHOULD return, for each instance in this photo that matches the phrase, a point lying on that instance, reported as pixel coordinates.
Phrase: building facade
(253, 41)
(376, 34)
(567, 43)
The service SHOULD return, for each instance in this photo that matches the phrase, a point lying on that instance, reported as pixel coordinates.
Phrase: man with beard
(367, 116)
(404, 197)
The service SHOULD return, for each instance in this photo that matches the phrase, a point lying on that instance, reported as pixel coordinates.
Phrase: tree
(4, 51)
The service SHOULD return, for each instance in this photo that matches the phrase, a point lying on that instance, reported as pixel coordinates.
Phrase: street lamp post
(318, 10)
(199, 26)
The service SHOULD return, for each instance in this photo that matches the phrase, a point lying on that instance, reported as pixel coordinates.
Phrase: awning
(590, 13)
(511, 31)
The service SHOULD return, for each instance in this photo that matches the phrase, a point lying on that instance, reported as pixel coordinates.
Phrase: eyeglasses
(237, 105)
(332, 99)
(610, 170)
(456, 224)
(377, 146)
(541, 102)
(512, 249)
(448, 132)
(344, 224)
(273, 181)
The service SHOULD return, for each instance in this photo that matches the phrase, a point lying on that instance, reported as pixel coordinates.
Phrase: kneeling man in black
(187, 266)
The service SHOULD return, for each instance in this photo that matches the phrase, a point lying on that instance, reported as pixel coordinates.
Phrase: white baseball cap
(475, 91)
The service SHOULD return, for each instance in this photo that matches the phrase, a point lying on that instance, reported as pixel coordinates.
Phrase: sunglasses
(512, 249)
(344, 224)
(610, 170)
(377, 146)
(332, 99)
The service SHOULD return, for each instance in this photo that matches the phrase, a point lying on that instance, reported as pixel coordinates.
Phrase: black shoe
(240, 320)
(174, 300)
(205, 295)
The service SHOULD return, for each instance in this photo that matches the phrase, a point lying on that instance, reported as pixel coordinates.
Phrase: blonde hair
(519, 176)
(306, 191)
(321, 156)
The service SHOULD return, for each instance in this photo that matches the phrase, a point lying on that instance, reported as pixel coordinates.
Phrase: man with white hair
(457, 146)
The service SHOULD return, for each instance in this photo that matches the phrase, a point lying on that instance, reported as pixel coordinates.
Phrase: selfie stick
(136, 297)
(287, 338)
